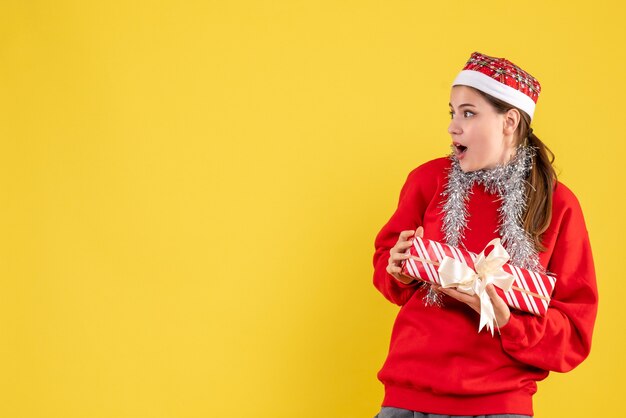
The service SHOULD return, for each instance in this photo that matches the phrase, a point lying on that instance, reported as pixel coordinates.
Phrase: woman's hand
(399, 253)
(501, 309)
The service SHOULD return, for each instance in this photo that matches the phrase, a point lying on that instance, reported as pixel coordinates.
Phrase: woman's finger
(391, 269)
(404, 235)
(404, 245)
(400, 248)
(463, 297)
(399, 256)
(472, 301)
(501, 309)
(494, 296)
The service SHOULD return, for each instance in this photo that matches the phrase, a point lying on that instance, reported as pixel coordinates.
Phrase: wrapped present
(470, 273)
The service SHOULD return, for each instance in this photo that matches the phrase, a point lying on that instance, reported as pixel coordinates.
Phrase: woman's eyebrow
(464, 104)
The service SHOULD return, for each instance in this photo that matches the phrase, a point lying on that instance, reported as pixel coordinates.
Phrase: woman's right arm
(407, 217)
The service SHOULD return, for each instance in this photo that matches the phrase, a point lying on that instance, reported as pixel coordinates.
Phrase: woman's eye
(466, 114)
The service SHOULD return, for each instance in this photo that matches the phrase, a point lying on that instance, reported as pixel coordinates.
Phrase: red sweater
(437, 361)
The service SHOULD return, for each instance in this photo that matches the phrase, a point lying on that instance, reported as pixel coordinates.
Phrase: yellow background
(189, 193)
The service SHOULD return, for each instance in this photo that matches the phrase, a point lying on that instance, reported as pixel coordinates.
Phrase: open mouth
(459, 149)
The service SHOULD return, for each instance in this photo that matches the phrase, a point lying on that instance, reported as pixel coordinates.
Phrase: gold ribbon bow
(489, 269)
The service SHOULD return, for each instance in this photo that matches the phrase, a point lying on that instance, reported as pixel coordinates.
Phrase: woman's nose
(453, 128)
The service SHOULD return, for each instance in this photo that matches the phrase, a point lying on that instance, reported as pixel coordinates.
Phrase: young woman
(498, 182)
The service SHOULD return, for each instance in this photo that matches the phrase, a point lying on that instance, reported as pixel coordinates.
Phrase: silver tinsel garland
(508, 181)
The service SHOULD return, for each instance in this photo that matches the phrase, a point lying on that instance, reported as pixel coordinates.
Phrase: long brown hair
(542, 179)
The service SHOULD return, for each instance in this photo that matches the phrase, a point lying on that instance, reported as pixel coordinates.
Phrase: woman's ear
(511, 121)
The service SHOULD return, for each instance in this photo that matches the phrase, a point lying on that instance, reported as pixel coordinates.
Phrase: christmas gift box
(470, 273)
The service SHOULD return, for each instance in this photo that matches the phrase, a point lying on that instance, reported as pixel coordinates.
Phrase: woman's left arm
(561, 339)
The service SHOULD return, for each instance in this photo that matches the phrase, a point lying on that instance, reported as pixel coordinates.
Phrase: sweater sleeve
(561, 339)
(408, 215)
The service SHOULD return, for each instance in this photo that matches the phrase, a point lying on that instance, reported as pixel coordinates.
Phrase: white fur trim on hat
(496, 89)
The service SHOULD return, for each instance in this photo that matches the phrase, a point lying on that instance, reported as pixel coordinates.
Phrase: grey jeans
(391, 412)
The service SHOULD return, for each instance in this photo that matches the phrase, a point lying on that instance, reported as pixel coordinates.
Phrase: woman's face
(480, 137)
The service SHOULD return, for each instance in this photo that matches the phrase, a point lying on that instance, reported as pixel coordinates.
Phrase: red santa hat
(502, 79)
